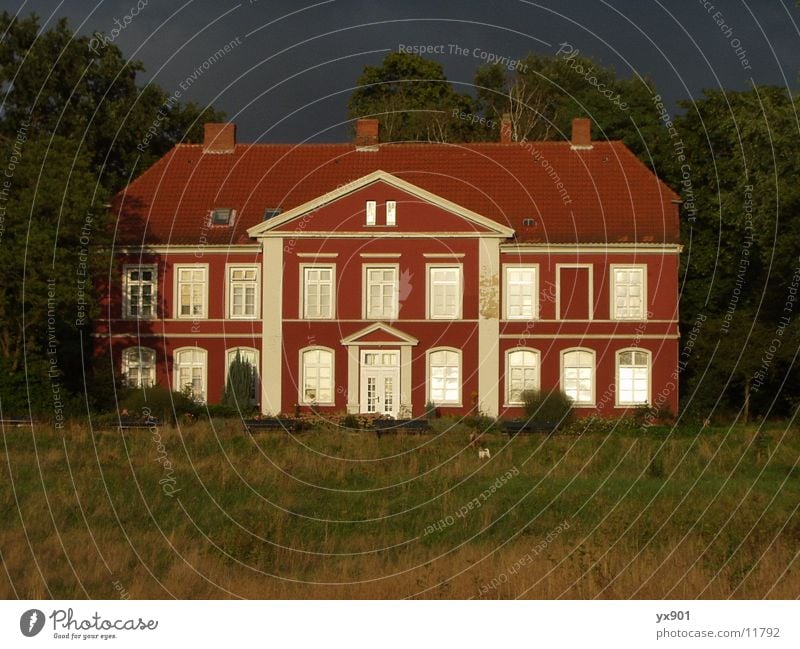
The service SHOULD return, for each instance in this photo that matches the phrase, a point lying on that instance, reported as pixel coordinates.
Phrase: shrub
(351, 421)
(548, 407)
(239, 386)
(159, 402)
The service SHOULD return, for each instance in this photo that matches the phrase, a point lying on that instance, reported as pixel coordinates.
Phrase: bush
(159, 402)
(548, 407)
(242, 377)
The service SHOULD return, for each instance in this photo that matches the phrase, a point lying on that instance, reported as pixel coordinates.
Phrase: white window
(317, 292)
(139, 367)
(444, 292)
(243, 292)
(372, 209)
(391, 212)
(222, 216)
(140, 291)
(628, 292)
(317, 376)
(246, 355)
(522, 374)
(190, 372)
(381, 292)
(633, 377)
(577, 376)
(444, 377)
(520, 292)
(191, 291)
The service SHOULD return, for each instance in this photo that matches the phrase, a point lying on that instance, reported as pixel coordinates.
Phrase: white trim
(126, 294)
(365, 268)
(446, 404)
(229, 268)
(317, 255)
(176, 298)
(505, 315)
(443, 255)
(378, 234)
(507, 374)
(579, 336)
(381, 176)
(176, 370)
(302, 376)
(590, 291)
(272, 351)
(402, 338)
(612, 302)
(429, 293)
(379, 255)
(593, 354)
(593, 248)
(302, 306)
(648, 353)
(182, 248)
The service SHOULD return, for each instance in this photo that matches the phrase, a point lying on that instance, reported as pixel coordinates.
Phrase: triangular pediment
(280, 224)
(379, 334)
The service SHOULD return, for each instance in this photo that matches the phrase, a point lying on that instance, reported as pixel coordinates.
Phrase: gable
(344, 212)
(379, 334)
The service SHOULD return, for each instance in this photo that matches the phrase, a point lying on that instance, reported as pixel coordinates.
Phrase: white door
(380, 382)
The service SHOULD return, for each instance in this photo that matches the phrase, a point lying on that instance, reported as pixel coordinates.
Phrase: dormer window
(372, 209)
(222, 216)
(391, 212)
(272, 212)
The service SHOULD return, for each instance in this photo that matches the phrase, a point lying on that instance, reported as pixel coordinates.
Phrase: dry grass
(344, 515)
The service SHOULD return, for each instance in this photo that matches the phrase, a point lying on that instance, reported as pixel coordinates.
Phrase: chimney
(506, 130)
(219, 138)
(581, 133)
(367, 133)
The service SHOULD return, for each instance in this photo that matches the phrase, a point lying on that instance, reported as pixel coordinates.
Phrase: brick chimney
(506, 130)
(219, 138)
(581, 133)
(367, 133)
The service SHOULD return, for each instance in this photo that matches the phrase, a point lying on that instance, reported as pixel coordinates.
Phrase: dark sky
(288, 77)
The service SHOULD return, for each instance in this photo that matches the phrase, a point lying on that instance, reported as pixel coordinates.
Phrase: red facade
(382, 278)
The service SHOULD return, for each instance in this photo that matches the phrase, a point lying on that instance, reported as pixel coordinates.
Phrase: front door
(380, 382)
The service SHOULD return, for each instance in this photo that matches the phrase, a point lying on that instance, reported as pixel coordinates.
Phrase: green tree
(239, 386)
(413, 100)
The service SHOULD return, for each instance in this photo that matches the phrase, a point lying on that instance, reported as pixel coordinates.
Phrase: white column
(272, 325)
(353, 363)
(489, 326)
(405, 378)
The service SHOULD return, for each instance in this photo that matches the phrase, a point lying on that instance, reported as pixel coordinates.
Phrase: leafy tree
(239, 387)
(413, 100)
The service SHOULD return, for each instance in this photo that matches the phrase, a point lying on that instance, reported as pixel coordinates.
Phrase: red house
(377, 278)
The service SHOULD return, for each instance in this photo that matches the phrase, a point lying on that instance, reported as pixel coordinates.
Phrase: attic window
(272, 212)
(391, 213)
(222, 216)
(529, 223)
(371, 208)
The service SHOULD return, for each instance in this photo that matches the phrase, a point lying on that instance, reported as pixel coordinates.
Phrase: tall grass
(334, 513)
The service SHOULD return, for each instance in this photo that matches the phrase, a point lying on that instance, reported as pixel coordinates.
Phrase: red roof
(547, 192)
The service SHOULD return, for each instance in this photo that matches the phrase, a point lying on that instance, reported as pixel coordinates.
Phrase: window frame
(428, 382)
(562, 377)
(229, 269)
(176, 285)
(391, 213)
(613, 292)
(176, 367)
(125, 365)
(371, 213)
(126, 295)
(518, 266)
(507, 375)
(365, 315)
(231, 351)
(231, 217)
(429, 284)
(302, 376)
(303, 291)
(634, 404)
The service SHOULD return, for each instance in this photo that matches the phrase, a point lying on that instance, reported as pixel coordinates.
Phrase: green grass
(709, 513)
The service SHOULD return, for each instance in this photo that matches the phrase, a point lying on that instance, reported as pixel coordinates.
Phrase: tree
(239, 386)
(413, 100)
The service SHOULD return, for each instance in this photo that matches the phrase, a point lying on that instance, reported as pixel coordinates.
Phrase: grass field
(215, 513)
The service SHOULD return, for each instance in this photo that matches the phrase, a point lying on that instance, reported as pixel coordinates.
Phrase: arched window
(444, 376)
(633, 377)
(522, 374)
(247, 355)
(317, 376)
(577, 376)
(139, 367)
(190, 372)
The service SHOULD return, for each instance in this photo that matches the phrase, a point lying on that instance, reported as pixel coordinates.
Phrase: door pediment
(379, 334)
